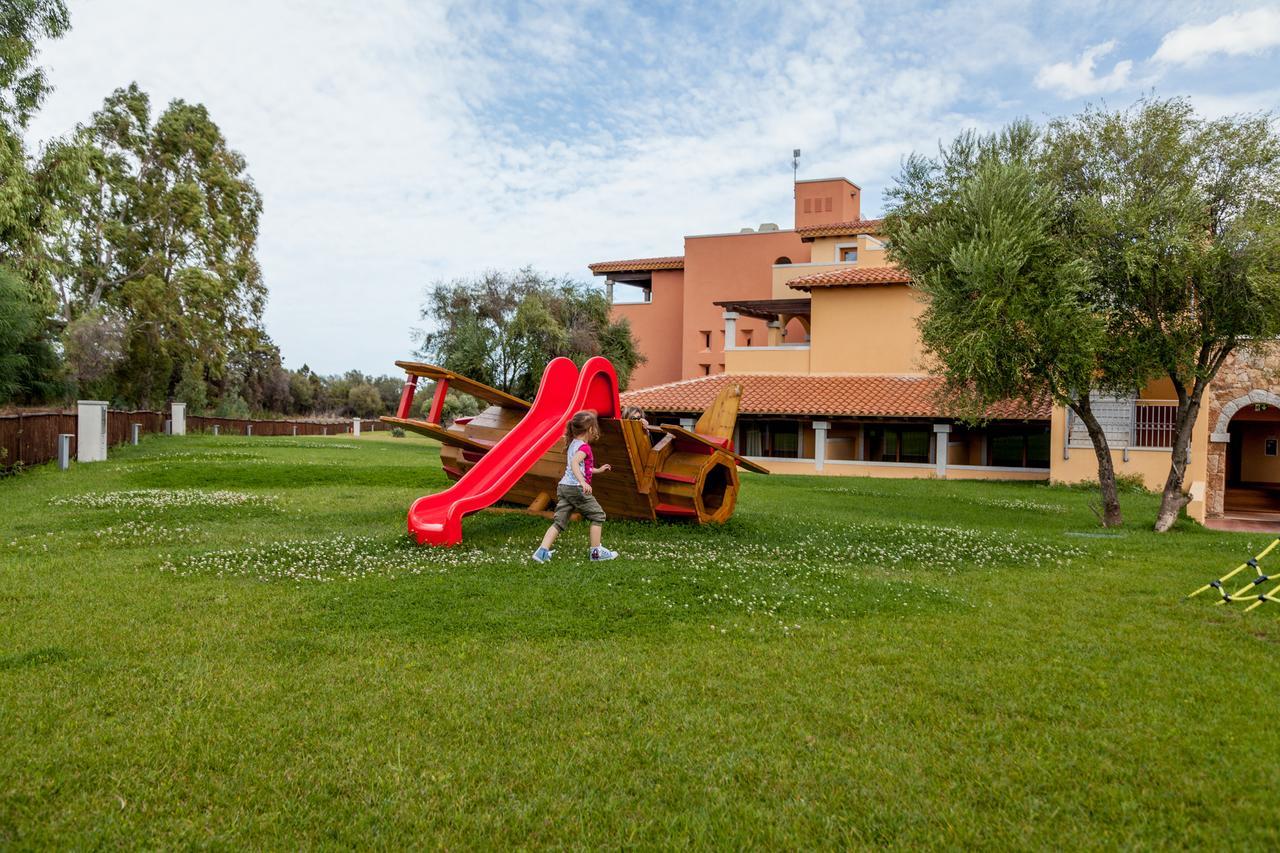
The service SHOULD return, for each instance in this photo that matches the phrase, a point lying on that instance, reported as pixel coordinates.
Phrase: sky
(397, 144)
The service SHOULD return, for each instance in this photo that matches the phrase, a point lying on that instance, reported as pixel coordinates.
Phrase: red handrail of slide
(437, 519)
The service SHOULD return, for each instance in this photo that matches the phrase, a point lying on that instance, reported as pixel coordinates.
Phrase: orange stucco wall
(727, 266)
(865, 330)
(655, 325)
(829, 200)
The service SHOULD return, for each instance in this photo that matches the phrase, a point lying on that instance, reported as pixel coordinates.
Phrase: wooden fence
(32, 438)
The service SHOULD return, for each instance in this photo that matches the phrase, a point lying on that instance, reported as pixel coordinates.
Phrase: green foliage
(26, 364)
(192, 389)
(1011, 311)
(397, 432)
(365, 401)
(1179, 218)
(502, 328)
(232, 405)
(23, 24)
(158, 222)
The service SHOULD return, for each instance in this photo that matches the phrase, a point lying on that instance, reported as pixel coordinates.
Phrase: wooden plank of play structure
(688, 435)
(719, 418)
(439, 433)
(458, 382)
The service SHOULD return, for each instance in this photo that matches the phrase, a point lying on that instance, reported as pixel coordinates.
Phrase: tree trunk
(1173, 498)
(1111, 516)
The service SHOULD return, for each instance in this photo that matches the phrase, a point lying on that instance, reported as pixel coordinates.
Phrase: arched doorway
(1251, 469)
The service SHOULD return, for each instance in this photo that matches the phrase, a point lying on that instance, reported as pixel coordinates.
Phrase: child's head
(633, 413)
(583, 425)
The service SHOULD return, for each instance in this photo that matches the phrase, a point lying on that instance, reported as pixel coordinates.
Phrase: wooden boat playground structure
(513, 452)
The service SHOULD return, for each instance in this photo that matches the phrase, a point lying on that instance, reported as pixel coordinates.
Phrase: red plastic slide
(437, 519)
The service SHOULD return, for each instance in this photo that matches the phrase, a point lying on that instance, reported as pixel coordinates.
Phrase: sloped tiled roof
(840, 229)
(807, 394)
(851, 277)
(673, 262)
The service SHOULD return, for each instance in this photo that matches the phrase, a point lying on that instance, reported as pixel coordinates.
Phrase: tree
(158, 222)
(1179, 218)
(1012, 311)
(28, 366)
(365, 401)
(502, 328)
(23, 24)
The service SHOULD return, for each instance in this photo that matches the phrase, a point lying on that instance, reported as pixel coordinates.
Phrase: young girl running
(574, 490)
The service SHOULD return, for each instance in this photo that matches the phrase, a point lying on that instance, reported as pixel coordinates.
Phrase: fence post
(168, 427)
(355, 427)
(64, 450)
(178, 416)
(248, 429)
(137, 429)
(295, 429)
(216, 427)
(91, 430)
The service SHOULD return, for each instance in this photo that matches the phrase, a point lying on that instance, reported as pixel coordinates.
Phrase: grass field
(229, 642)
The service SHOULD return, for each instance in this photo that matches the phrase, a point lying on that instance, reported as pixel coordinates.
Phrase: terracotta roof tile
(674, 262)
(807, 394)
(840, 229)
(851, 277)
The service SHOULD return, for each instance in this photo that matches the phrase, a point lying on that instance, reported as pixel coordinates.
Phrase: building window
(808, 205)
(777, 439)
(849, 254)
(706, 369)
(746, 337)
(896, 443)
(781, 261)
(1269, 447)
(1018, 447)
(706, 340)
(827, 205)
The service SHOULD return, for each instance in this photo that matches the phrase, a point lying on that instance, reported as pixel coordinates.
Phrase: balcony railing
(1128, 423)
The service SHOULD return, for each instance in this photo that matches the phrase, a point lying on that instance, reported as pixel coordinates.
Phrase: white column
(941, 439)
(295, 429)
(137, 428)
(248, 429)
(91, 430)
(775, 333)
(217, 428)
(178, 414)
(731, 330)
(820, 443)
(355, 427)
(64, 450)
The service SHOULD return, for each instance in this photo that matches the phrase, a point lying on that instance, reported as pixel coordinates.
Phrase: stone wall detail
(1249, 377)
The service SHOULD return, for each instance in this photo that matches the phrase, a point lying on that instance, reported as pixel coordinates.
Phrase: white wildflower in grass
(335, 558)
(141, 499)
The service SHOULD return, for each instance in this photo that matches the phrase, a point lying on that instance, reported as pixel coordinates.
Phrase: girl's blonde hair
(583, 423)
(633, 413)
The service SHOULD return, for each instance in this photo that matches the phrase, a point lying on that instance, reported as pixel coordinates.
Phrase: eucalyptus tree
(156, 223)
(1179, 219)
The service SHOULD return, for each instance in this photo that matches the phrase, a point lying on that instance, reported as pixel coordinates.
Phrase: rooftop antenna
(795, 169)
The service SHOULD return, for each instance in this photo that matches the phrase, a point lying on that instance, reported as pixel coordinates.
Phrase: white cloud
(1075, 79)
(1236, 34)
(397, 142)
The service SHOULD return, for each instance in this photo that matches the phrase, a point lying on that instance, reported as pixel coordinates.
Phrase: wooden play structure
(514, 451)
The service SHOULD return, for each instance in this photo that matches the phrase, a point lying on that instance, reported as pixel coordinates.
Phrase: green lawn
(267, 662)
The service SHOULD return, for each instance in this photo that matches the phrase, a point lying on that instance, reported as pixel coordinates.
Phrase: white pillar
(64, 450)
(941, 440)
(820, 443)
(178, 414)
(248, 429)
(137, 429)
(355, 427)
(730, 329)
(216, 428)
(91, 430)
(295, 429)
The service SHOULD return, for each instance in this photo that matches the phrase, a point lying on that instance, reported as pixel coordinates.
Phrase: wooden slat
(719, 418)
(461, 383)
(439, 433)
(682, 433)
